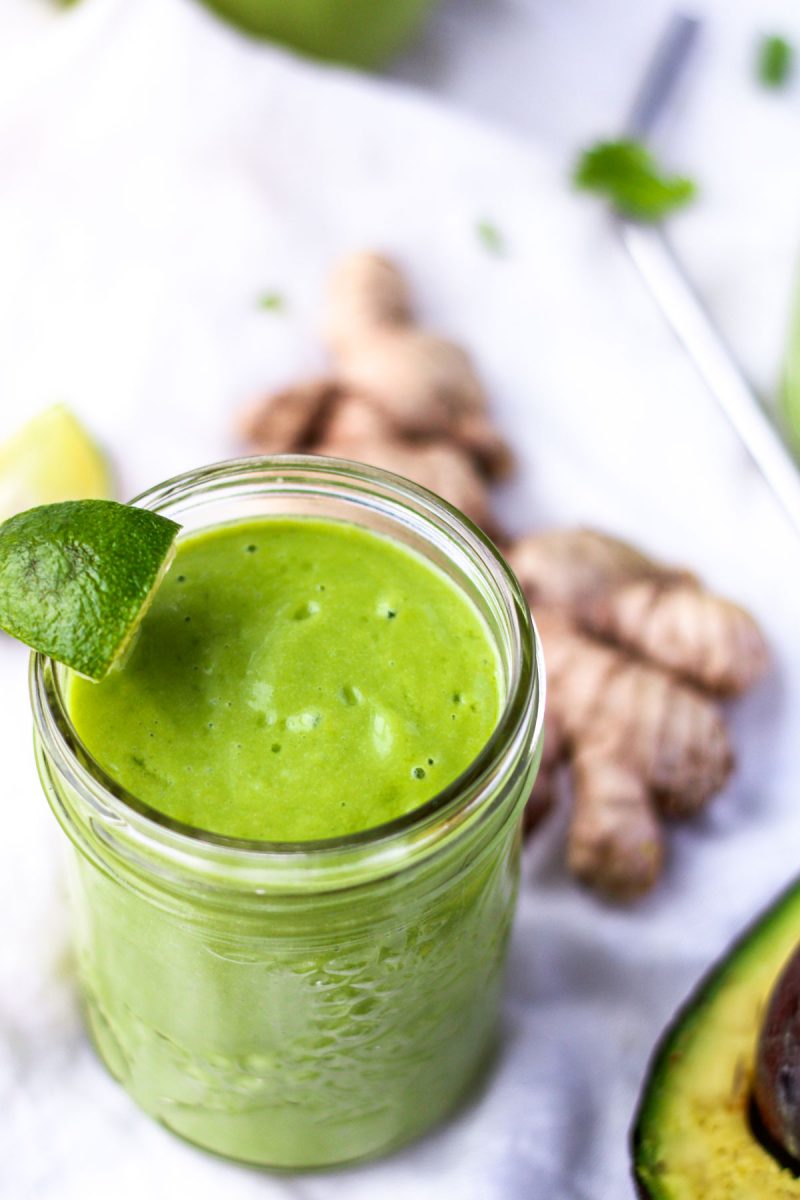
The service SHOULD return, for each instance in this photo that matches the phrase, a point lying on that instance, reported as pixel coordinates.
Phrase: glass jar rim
(523, 710)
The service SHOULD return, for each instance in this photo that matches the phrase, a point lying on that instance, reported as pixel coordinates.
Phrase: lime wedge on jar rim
(51, 458)
(76, 578)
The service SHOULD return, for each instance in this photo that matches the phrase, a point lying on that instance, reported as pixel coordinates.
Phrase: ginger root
(398, 397)
(638, 654)
(612, 590)
(631, 695)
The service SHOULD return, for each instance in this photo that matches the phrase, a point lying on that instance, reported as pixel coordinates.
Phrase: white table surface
(157, 173)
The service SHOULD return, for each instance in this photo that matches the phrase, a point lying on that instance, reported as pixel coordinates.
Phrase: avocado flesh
(692, 1138)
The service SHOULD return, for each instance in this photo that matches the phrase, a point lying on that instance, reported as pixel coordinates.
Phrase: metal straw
(671, 288)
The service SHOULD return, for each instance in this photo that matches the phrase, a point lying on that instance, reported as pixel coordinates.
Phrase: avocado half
(692, 1137)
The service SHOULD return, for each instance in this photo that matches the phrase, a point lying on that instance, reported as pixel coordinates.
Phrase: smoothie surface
(295, 679)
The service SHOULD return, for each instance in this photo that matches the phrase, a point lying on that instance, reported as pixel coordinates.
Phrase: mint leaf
(627, 174)
(775, 61)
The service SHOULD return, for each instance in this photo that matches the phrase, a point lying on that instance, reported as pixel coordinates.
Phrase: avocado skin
(675, 1044)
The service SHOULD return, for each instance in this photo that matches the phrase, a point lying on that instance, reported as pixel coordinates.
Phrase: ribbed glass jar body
(300, 1005)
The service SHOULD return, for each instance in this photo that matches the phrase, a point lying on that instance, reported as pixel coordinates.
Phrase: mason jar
(297, 1005)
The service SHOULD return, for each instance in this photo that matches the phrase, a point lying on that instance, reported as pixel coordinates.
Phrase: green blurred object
(362, 33)
(775, 61)
(790, 384)
(491, 238)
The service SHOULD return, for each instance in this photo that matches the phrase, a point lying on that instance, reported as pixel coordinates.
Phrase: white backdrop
(157, 174)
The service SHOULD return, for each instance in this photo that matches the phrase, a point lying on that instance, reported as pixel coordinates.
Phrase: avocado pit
(776, 1085)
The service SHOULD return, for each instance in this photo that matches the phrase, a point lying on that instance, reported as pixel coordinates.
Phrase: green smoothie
(291, 1000)
(294, 680)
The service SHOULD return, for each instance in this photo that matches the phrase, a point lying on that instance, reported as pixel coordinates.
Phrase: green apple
(360, 32)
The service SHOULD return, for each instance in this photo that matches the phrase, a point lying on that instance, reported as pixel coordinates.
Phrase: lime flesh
(76, 578)
(51, 458)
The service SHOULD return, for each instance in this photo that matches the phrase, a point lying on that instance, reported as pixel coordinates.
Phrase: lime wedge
(51, 458)
(76, 578)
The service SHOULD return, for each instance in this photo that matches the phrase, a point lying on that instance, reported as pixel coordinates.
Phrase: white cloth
(157, 175)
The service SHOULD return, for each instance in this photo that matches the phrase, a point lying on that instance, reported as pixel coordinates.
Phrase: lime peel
(129, 640)
(76, 578)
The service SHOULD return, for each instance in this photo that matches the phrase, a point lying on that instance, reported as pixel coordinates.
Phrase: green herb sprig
(628, 175)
